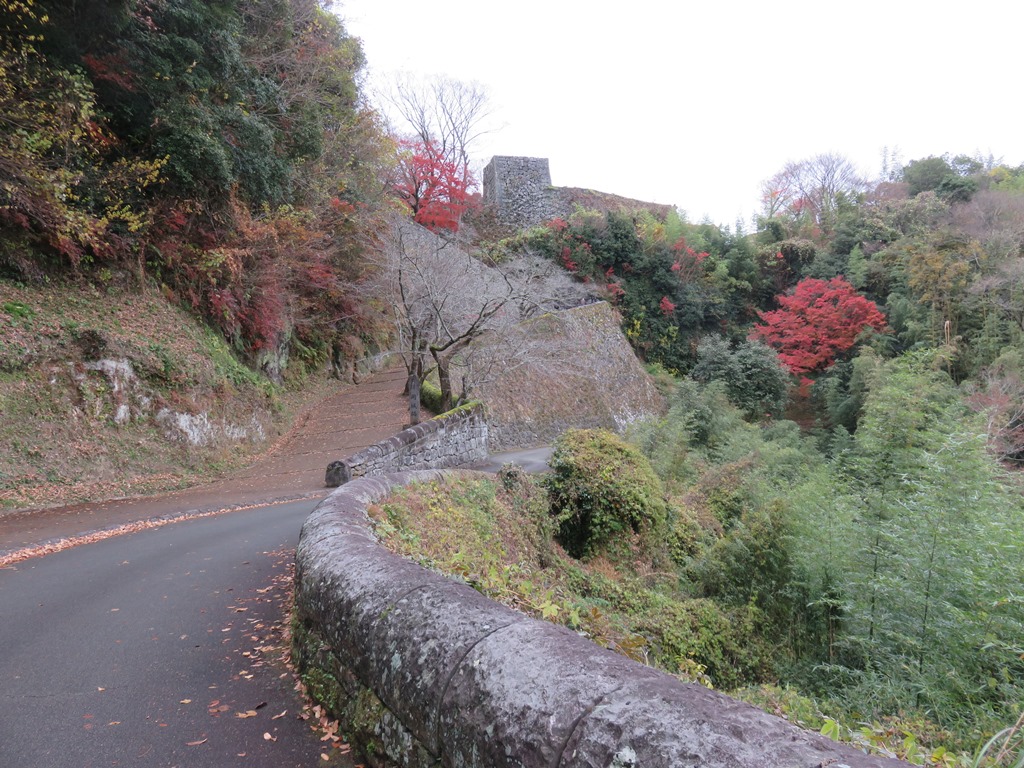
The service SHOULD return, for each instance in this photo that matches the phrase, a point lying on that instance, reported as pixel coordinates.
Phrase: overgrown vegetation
(498, 536)
(867, 553)
(602, 491)
(219, 149)
(874, 577)
(837, 263)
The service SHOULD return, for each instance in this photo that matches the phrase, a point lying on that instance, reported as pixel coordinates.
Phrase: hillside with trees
(840, 459)
(203, 191)
(219, 150)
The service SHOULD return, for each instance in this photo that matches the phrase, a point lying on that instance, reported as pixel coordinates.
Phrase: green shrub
(727, 646)
(602, 487)
(688, 536)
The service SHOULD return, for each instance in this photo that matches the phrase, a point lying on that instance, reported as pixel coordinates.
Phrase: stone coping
(448, 440)
(478, 684)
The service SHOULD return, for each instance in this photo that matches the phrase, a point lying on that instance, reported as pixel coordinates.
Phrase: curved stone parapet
(449, 440)
(428, 672)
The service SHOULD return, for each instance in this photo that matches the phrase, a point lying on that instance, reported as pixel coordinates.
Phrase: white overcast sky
(694, 104)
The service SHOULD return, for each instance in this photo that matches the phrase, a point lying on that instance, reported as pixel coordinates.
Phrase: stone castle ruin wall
(519, 191)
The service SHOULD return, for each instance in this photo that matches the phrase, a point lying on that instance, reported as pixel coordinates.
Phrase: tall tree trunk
(444, 379)
(412, 388)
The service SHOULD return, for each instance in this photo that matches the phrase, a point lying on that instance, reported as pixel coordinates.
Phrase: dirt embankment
(109, 392)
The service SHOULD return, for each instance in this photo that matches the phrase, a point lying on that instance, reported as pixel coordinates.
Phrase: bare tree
(812, 188)
(446, 114)
(999, 394)
(529, 333)
(995, 219)
(456, 316)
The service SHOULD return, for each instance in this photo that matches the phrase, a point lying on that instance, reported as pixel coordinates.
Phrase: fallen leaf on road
(185, 701)
(278, 717)
(249, 713)
(261, 705)
(195, 743)
(59, 546)
(324, 756)
(100, 689)
(268, 737)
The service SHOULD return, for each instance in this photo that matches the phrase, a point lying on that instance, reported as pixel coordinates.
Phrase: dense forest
(838, 470)
(219, 150)
(841, 456)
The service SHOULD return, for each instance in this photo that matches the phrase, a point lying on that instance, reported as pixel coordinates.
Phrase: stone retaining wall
(598, 384)
(519, 191)
(455, 438)
(425, 671)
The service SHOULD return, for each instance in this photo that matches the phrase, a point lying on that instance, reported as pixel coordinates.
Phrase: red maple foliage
(111, 68)
(688, 262)
(817, 322)
(436, 190)
(567, 262)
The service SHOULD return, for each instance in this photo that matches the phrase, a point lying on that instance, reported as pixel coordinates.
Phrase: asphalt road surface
(531, 459)
(158, 648)
(163, 647)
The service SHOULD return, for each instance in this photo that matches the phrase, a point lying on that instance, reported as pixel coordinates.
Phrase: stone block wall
(425, 672)
(598, 383)
(519, 189)
(451, 439)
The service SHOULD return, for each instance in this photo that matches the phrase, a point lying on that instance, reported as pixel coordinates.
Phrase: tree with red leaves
(817, 322)
(436, 190)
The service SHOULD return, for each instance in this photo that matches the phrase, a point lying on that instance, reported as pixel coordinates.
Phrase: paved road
(141, 650)
(348, 420)
(531, 459)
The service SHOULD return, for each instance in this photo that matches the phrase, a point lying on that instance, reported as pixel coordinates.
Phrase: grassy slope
(59, 441)
(497, 536)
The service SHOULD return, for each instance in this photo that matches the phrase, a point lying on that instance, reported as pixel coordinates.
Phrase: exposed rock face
(126, 398)
(596, 382)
